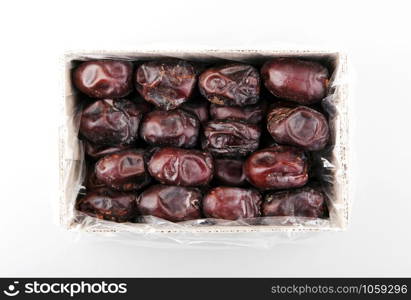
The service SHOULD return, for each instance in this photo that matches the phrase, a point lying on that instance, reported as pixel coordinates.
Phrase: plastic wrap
(332, 165)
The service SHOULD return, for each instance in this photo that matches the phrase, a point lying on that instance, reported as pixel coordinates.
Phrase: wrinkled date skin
(173, 203)
(91, 182)
(111, 122)
(199, 108)
(297, 80)
(232, 203)
(304, 202)
(176, 128)
(125, 170)
(98, 151)
(108, 204)
(251, 114)
(231, 85)
(181, 167)
(229, 171)
(301, 126)
(166, 84)
(278, 167)
(104, 78)
(230, 138)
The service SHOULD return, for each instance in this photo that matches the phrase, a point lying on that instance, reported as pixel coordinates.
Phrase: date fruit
(173, 203)
(231, 85)
(230, 138)
(181, 167)
(304, 202)
(110, 122)
(229, 171)
(167, 84)
(176, 128)
(232, 203)
(250, 114)
(125, 170)
(301, 126)
(104, 78)
(107, 204)
(278, 167)
(297, 80)
(198, 108)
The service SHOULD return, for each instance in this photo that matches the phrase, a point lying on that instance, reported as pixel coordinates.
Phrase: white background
(34, 35)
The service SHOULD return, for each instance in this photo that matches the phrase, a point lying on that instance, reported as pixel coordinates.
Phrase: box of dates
(205, 142)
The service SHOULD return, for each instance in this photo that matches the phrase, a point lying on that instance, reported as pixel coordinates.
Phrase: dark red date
(104, 78)
(173, 203)
(278, 167)
(170, 128)
(232, 203)
(181, 167)
(229, 171)
(251, 114)
(107, 204)
(231, 138)
(304, 202)
(124, 170)
(166, 84)
(233, 84)
(111, 122)
(300, 126)
(297, 80)
(199, 108)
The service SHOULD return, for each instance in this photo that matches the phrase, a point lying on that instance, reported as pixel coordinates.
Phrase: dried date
(111, 122)
(125, 170)
(181, 167)
(301, 126)
(176, 128)
(166, 84)
(107, 204)
(231, 85)
(278, 167)
(297, 80)
(232, 203)
(104, 78)
(304, 202)
(231, 138)
(173, 203)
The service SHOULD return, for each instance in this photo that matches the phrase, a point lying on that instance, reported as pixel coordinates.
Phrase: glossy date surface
(108, 204)
(229, 171)
(231, 85)
(277, 167)
(110, 122)
(300, 126)
(181, 167)
(304, 202)
(166, 84)
(104, 78)
(230, 138)
(250, 114)
(170, 128)
(297, 80)
(173, 203)
(98, 151)
(232, 203)
(123, 170)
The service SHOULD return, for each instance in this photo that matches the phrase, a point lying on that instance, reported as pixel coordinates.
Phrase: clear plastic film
(331, 165)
